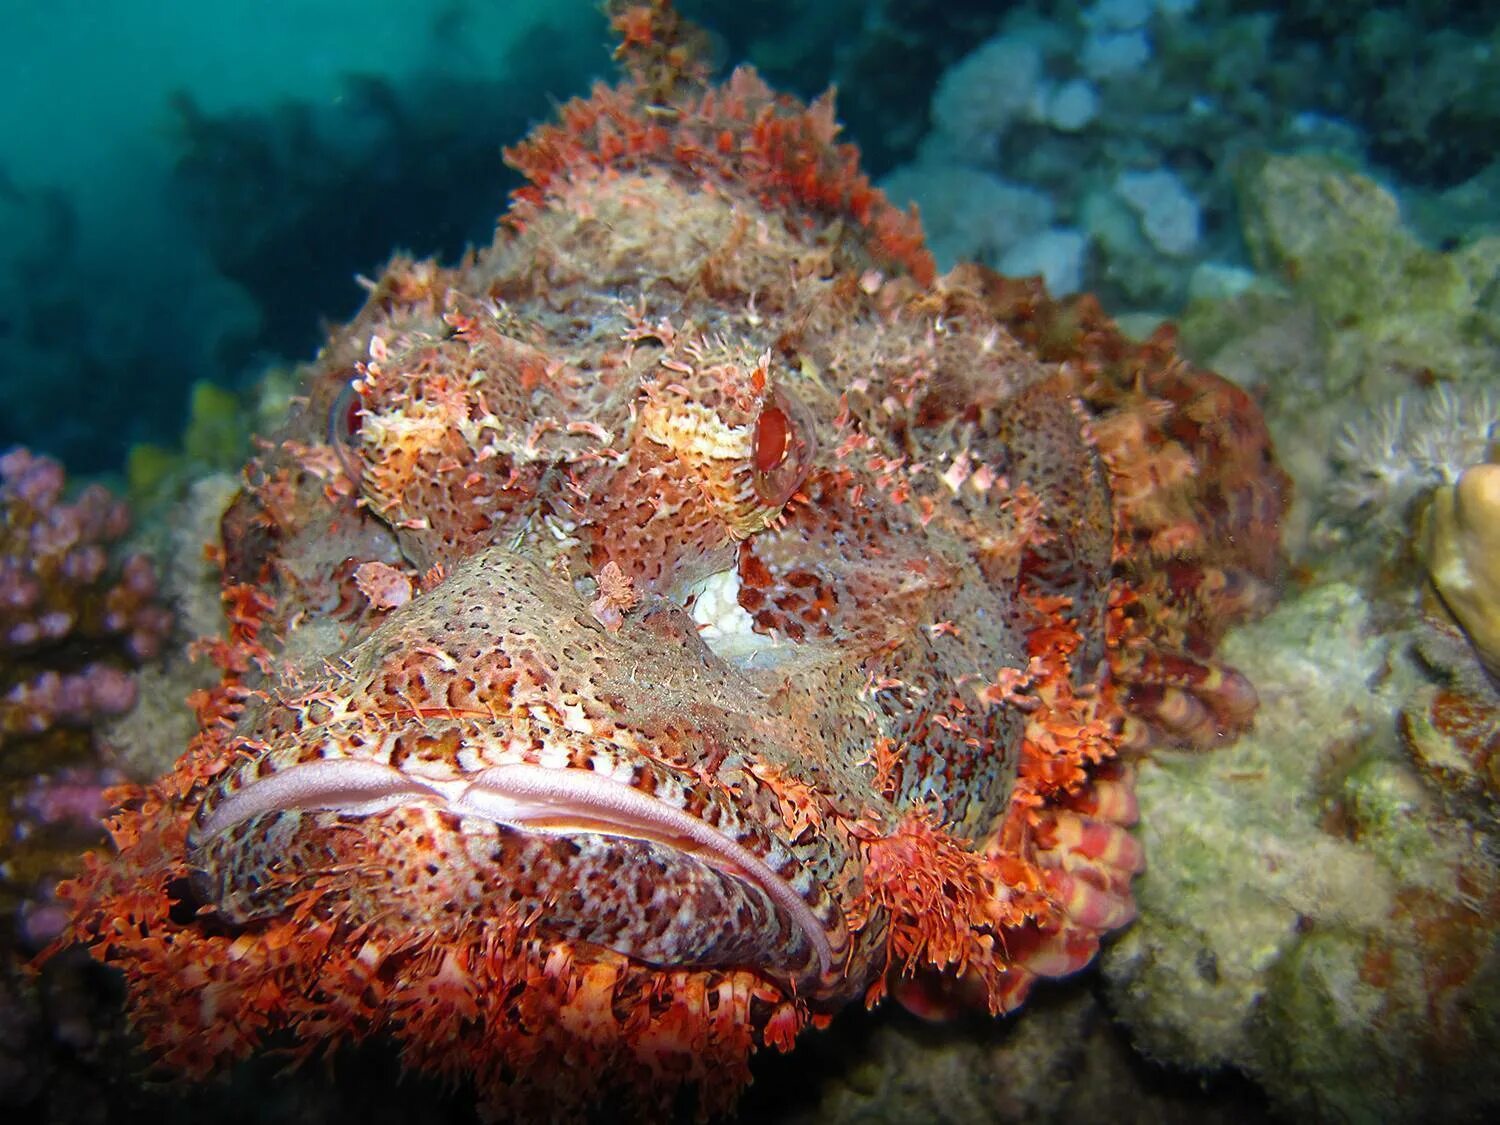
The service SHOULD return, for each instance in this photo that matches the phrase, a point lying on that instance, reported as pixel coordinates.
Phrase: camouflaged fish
(680, 619)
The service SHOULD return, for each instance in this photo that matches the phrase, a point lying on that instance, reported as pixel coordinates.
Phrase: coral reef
(73, 621)
(77, 621)
(50, 821)
(1391, 308)
(1139, 120)
(1320, 913)
(180, 496)
(1065, 1059)
(683, 618)
(1322, 907)
(180, 526)
(1316, 911)
(1361, 341)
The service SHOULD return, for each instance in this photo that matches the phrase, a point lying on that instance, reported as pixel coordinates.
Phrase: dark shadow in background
(290, 201)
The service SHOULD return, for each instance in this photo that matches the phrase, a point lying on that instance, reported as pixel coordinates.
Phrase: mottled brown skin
(700, 345)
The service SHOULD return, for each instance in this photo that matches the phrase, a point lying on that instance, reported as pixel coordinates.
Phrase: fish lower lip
(520, 795)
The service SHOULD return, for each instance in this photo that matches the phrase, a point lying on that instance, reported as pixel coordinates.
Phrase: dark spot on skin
(184, 902)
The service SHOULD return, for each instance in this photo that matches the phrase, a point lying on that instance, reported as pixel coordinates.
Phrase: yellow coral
(1460, 538)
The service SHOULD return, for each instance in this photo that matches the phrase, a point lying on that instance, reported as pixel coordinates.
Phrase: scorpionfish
(678, 620)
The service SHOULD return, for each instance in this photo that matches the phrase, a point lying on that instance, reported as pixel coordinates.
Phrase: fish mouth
(555, 801)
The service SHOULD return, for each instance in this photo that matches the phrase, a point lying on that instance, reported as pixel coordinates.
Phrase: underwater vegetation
(271, 187)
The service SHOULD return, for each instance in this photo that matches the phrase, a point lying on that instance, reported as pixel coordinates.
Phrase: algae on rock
(1314, 914)
(1366, 313)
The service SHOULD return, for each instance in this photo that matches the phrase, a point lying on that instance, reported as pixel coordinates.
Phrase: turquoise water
(186, 189)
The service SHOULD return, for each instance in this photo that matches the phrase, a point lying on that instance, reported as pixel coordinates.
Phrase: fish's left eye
(344, 419)
(783, 448)
(772, 439)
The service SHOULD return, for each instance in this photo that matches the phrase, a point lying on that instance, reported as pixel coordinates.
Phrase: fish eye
(783, 449)
(344, 419)
(773, 433)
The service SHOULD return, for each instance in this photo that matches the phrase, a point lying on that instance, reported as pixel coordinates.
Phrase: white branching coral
(1397, 454)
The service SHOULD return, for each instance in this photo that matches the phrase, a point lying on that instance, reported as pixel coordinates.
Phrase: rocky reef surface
(1324, 893)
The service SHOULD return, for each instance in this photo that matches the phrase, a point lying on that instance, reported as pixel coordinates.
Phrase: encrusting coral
(1322, 907)
(1368, 343)
(681, 619)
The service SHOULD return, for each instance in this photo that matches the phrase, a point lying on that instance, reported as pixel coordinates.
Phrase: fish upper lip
(532, 798)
